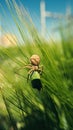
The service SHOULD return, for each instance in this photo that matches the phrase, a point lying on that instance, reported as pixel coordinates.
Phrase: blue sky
(33, 6)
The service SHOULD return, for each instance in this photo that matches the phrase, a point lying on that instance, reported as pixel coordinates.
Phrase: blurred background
(45, 28)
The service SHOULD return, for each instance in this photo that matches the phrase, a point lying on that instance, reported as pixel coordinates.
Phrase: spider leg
(29, 74)
(40, 69)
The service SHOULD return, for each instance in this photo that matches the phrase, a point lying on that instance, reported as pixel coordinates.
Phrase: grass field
(25, 108)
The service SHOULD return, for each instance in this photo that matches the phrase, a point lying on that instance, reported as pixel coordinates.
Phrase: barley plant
(21, 106)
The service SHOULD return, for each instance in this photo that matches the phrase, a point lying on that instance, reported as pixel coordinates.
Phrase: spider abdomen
(36, 81)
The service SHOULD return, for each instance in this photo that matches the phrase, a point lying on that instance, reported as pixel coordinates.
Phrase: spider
(35, 70)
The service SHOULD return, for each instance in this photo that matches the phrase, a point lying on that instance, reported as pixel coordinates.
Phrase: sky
(33, 6)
